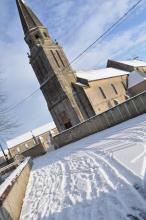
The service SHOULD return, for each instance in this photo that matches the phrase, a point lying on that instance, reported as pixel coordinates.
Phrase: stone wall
(120, 113)
(12, 192)
(36, 151)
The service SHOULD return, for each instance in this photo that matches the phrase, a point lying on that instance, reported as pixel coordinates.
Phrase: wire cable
(22, 101)
(111, 28)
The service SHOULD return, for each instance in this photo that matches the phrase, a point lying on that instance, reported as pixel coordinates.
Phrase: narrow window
(55, 59)
(45, 34)
(102, 92)
(123, 84)
(60, 58)
(114, 88)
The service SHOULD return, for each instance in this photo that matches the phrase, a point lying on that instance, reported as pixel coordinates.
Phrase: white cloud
(120, 45)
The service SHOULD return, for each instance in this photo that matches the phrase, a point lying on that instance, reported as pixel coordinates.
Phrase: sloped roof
(135, 63)
(28, 19)
(99, 74)
(27, 136)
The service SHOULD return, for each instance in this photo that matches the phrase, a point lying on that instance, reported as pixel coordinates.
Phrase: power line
(23, 100)
(111, 28)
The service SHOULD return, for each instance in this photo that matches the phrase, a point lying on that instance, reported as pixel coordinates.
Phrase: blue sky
(74, 24)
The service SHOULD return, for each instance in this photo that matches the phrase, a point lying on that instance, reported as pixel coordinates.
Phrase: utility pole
(6, 157)
(34, 138)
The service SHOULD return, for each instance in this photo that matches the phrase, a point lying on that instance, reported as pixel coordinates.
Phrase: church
(75, 96)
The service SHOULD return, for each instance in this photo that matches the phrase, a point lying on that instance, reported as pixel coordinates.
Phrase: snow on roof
(135, 78)
(80, 84)
(98, 74)
(27, 136)
(18, 140)
(135, 63)
(43, 129)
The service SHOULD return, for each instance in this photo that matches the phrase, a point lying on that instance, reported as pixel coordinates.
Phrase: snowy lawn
(82, 182)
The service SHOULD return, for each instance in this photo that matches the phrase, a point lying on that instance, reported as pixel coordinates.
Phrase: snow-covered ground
(82, 181)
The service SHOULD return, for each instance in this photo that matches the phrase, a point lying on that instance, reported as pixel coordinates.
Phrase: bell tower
(52, 70)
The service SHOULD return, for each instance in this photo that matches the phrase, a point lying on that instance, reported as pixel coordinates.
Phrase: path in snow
(81, 182)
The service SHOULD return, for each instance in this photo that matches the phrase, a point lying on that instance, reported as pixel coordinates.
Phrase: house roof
(135, 63)
(98, 74)
(135, 78)
(27, 136)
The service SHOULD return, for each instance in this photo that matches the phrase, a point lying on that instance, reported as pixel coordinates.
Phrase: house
(32, 143)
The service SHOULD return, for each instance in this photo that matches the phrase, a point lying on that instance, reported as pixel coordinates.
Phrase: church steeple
(52, 70)
(28, 19)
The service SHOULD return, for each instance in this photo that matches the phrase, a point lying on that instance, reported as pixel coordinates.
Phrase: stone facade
(103, 94)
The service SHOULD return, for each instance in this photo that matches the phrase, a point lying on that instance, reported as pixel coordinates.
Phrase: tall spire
(28, 19)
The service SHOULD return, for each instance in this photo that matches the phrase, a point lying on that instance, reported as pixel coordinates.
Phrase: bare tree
(7, 123)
